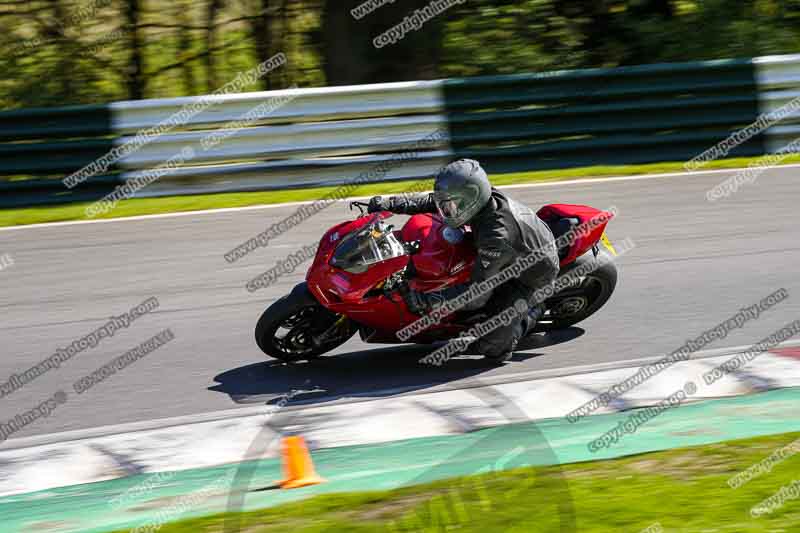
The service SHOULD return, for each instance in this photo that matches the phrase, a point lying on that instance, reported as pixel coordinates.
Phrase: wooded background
(59, 52)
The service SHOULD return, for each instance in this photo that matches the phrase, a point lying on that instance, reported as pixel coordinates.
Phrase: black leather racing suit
(504, 230)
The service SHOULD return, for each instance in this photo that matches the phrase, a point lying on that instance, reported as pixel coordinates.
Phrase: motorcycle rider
(503, 229)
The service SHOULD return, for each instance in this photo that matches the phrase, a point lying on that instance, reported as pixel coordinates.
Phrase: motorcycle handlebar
(362, 207)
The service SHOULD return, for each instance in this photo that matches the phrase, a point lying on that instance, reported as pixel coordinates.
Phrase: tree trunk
(184, 50)
(66, 59)
(261, 30)
(663, 8)
(350, 57)
(135, 81)
(212, 81)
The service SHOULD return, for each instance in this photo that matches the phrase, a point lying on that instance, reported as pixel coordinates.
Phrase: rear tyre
(576, 304)
(292, 328)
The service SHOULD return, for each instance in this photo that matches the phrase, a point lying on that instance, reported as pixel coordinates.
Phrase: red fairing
(332, 237)
(583, 213)
(438, 263)
(346, 293)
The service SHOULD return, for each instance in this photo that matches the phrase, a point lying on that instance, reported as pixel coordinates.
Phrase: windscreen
(359, 250)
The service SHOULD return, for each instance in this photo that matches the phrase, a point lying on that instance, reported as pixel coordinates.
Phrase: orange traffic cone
(297, 465)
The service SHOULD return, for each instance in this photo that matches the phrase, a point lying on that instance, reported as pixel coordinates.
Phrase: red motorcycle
(362, 267)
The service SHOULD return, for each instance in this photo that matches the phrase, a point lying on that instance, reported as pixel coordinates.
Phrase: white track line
(241, 412)
(554, 183)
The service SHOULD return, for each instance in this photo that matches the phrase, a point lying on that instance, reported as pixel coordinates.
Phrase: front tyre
(296, 327)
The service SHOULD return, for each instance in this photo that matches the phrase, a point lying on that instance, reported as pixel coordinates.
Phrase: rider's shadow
(372, 372)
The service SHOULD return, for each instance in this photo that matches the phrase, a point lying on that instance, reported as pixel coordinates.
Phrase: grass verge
(681, 490)
(173, 204)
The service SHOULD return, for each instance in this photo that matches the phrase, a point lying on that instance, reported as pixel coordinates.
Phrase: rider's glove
(417, 302)
(378, 203)
(421, 303)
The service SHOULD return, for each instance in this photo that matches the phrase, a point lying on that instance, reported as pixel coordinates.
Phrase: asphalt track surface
(695, 264)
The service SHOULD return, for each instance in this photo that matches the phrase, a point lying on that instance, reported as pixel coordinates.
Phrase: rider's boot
(529, 321)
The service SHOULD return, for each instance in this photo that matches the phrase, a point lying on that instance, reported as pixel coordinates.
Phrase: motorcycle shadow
(371, 372)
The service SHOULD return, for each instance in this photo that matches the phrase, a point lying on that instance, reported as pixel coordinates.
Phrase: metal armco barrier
(667, 112)
(328, 136)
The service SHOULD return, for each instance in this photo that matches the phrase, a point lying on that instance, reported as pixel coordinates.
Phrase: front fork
(330, 333)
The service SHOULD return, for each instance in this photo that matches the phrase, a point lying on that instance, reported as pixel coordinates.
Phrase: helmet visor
(456, 209)
(449, 206)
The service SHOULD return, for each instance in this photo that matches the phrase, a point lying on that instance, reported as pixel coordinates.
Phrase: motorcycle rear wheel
(576, 304)
(290, 328)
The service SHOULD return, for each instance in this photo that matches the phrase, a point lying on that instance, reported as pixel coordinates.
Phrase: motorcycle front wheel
(296, 327)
